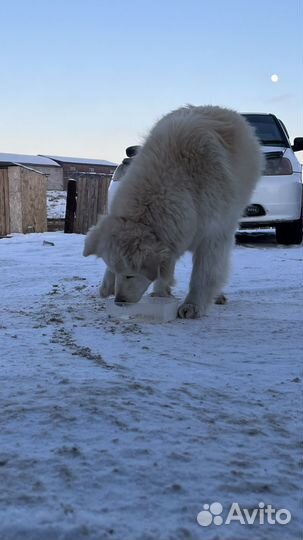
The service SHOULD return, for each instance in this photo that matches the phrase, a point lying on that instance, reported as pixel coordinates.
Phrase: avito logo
(262, 514)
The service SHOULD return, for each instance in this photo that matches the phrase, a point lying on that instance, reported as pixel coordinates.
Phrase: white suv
(278, 199)
(120, 172)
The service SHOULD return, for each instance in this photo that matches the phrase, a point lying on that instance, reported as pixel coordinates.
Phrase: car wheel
(290, 233)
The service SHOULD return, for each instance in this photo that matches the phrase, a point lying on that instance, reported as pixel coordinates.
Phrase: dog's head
(131, 250)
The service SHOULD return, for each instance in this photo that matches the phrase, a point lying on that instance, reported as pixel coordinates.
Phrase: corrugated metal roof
(83, 161)
(27, 160)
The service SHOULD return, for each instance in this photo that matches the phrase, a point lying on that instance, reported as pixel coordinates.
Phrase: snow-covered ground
(116, 430)
(56, 204)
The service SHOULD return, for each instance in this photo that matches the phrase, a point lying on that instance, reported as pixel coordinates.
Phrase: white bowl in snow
(148, 309)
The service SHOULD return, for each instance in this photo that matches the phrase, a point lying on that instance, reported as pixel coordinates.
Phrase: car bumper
(280, 197)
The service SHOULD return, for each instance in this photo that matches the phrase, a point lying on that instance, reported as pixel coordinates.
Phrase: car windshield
(268, 129)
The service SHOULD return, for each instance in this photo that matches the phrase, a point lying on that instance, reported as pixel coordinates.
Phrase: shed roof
(82, 161)
(27, 160)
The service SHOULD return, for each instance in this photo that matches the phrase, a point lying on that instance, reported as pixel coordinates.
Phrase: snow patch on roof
(84, 161)
(27, 160)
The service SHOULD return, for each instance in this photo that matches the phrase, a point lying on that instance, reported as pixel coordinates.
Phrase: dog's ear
(150, 267)
(95, 239)
(90, 242)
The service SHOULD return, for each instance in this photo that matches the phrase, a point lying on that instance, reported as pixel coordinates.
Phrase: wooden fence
(86, 200)
(4, 203)
(22, 200)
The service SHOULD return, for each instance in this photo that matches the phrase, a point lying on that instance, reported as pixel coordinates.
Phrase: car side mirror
(131, 151)
(298, 144)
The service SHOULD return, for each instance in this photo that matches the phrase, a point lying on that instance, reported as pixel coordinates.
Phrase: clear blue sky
(88, 77)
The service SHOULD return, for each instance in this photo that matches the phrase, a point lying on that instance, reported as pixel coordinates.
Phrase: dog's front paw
(105, 291)
(221, 299)
(162, 293)
(107, 287)
(189, 311)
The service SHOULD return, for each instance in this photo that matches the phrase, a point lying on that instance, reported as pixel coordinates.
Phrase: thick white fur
(184, 191)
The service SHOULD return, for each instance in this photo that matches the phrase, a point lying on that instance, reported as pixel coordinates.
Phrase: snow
(27, 160)
(56, 204)
(116, 430)
(85, 161)
(51, 161)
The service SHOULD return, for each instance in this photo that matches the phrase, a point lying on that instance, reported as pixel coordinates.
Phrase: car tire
(290, 233)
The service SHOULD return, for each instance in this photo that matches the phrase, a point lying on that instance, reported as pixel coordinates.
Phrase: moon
(274, 78)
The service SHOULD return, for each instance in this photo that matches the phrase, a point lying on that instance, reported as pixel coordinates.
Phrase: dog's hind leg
(107, 287)
(210, 268)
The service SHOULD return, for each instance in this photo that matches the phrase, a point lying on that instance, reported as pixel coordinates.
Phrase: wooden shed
(22, 200)
(72, 167)
(42, 164)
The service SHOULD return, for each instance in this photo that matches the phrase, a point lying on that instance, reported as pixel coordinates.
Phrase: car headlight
(278, 166)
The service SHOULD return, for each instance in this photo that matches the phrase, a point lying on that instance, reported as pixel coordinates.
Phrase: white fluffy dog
(184, 191)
